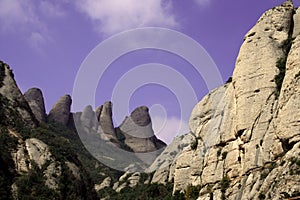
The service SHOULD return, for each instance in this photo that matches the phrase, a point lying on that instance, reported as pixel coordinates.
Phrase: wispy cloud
(167, 129)
(15, 13)
(112, 16)
(202, 2)
(25, 17)
(51, 9)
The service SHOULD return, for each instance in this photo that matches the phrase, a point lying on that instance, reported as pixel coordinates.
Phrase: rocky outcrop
(287, 123)
(105, 183)
(138, 132)
(140, 116)
(35, 99)
(88, 118)
(98, 111)
(163, 166)
(10, 90)
(104, 115)
(247, 131)
(9, 87)
(60, 112)
(127, 179)
(38, 151)
(52, 174)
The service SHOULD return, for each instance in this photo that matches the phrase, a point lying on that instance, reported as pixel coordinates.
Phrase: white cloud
(167, 129)
(37, 41)
(15, 13)
(202, 2)
(112, 16)
(25, 17)
(51, 9)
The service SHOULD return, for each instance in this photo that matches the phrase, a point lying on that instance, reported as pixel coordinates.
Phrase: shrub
(294, 160)
(287, 44)
(219, 152)
(32, 186)
(224, 183)
(144, 191)
(264, 175)
(261, 196)
(2, 73)
(194, 144)
(224, 154)
(192, 192)
(297, 75)
(281, 65)
(229, 80)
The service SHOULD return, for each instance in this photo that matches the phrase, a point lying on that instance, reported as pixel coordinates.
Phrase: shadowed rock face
(10, 90)
(98, 112)
(88, 118)
(140, 116)
(60, 112)
(35, 99)
(105, 119)
(138, 132)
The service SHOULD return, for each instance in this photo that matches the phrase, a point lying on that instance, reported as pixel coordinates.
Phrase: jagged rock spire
(60, 112)
(35, 99)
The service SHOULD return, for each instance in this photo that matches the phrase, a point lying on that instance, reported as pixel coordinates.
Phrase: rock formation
(88, 118)
(244, 139)
(248, 131)
(163, 163)
(60, 112)
(138, 132)
(10, 90)
(104, 115)
(35, 99)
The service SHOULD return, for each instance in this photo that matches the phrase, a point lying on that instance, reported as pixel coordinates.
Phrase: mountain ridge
(244, 139)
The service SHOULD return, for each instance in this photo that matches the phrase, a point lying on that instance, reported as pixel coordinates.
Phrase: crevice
(286, 145)
(240, 132)
(281, 62)
(254, 124)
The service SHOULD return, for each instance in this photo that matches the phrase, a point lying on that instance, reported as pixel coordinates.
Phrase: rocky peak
(35, 99)
(60, 112)
(105, 119)
(10, 90)
(140, 116)
(253, 77)
(98, 111)
(88, 118)
(9, 87)
(138, 132)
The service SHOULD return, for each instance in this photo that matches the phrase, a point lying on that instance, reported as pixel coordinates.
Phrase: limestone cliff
(248, 131)
(244, 139)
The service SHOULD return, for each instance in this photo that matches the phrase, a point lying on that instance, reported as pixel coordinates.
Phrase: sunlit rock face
(247, 131)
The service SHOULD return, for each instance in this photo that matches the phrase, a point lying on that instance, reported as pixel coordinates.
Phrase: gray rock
(163, 163)
(35, 99)
(38, 151)
(60, 112)
(105, 183)
(98, 111)
(106, 127)
(105, 119)
(138, 132)
(140, 116)
(88, 118)
(10, 90)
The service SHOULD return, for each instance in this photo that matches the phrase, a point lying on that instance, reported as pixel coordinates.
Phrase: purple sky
(46, 41)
